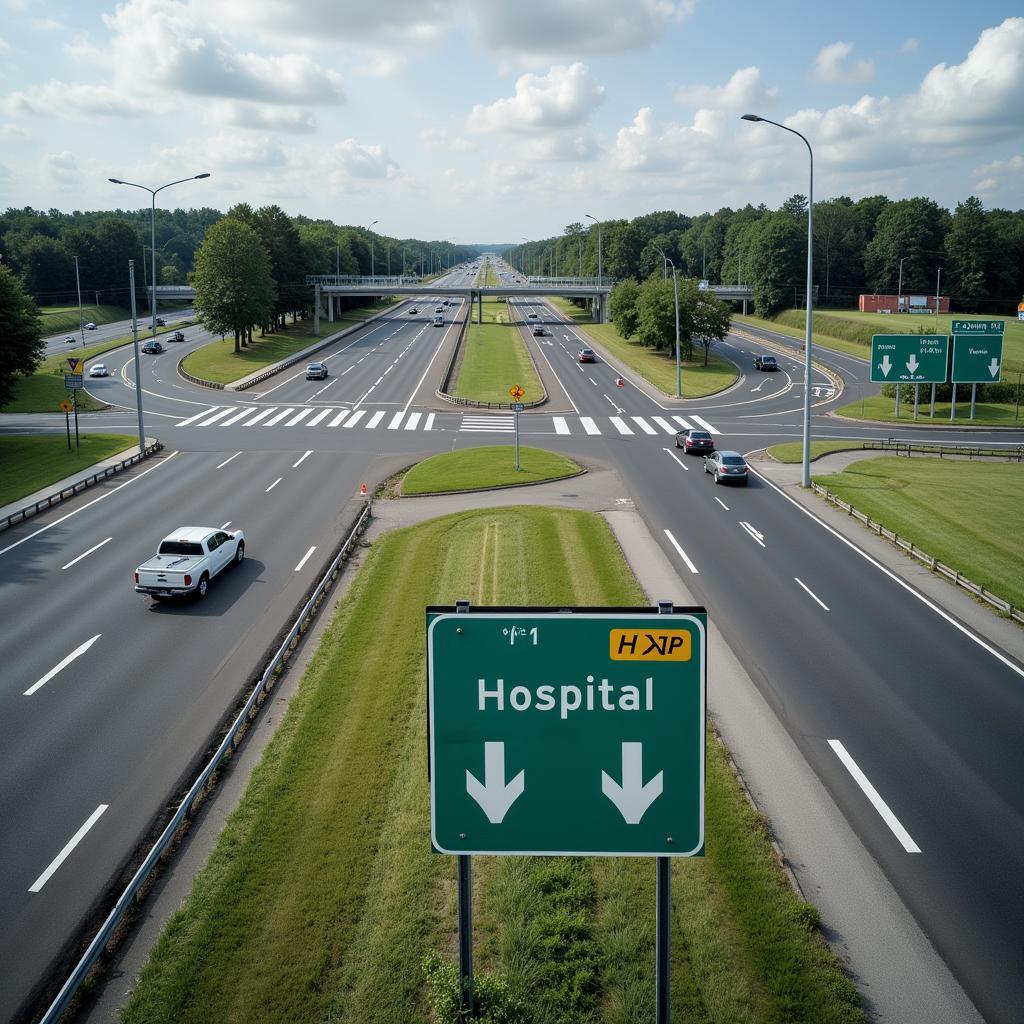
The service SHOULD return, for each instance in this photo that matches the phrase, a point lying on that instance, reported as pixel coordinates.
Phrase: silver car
(727, 467)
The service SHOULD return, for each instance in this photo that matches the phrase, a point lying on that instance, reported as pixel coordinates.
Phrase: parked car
(70, 340)
(187, 560)
(177, 336)
(316, 371)
(90, 327)
(586, 355)
(693, 440)
(726, 467)
(98, 370)
(766, 363)
(153, 347)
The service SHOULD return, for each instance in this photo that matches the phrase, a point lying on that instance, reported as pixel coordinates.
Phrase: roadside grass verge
(793, 451)
(322, 896)
(577, 314)
(659, 368)
(64, 319)
(490, 466)
(494, 357)
(29, 463)
(966, 514)
(879, 407)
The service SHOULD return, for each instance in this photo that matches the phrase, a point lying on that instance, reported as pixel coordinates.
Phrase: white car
(98, 370)
(90, 327)
(187, 559)
(70, 340)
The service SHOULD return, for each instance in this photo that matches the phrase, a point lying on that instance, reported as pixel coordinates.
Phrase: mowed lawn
(494, 358)
(486, 466)
(28, 464)
(322, 895)
(966, 514)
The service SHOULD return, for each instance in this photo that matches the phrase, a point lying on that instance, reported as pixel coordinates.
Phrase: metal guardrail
(954, 575)
(890, 444)
(197, 790)
(201, 381)
(79, 485)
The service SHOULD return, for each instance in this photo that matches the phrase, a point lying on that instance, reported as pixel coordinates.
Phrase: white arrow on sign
(885, 366)
(913, 364)
(632, 798)
(494, 796)
(993, 367)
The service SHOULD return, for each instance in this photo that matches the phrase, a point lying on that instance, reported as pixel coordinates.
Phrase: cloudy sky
(495, 120)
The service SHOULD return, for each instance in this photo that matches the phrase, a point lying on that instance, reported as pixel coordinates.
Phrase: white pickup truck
(187, 560)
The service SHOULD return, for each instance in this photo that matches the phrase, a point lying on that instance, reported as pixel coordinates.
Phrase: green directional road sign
(567, 732)
(909, 358)
(977, 351)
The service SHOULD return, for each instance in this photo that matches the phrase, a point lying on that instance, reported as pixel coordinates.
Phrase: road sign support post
(917, 392)
(465, 911)
(74, 401)
(974, 395)
(952, 403)
(663, 915)
(517, 440)
(932, 413)
(67, 427)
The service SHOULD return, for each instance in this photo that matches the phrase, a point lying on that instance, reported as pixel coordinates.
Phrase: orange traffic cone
(362, 488)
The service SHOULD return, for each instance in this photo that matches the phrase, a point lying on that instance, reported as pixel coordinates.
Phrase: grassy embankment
(494, 357)
(218, 361)
(850, 331)
(966, 514)
(64, 319)
(28, 464)
(488, 466)
(322, 895)
(657, 367)
(793, 451)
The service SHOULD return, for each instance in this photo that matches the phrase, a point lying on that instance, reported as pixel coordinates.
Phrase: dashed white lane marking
(673, 455)
(723, 504)
(811, 593)
(302, 459)
(561, 427)
(85, 554)
(66, 852)
(60, 666)
(877, 802)
(273, 485)
(224, 526)
(758, 536)
(227, 460)
(682, 554)
(704, 424)
(305, 558)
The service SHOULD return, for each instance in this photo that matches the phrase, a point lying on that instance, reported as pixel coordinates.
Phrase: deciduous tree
(21, 333)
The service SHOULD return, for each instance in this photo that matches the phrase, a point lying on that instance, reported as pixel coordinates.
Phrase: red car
(586, 355)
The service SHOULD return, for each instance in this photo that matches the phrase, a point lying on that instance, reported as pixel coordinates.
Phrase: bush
(494, 1003)
(1005, 392)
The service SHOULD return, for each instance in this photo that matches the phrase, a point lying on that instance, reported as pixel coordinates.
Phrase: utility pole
(81, 320)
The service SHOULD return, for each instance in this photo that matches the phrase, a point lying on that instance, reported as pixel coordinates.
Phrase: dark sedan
(766, 363)
(693, 440)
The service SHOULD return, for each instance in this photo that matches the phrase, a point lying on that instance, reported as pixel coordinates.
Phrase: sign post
(569, 732)
(74, 383)
(909, 359)
(66, 407)
(977, 356)
(516, 392)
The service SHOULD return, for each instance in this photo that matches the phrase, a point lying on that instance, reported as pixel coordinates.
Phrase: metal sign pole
(917, 391)
(974, 394)
(952, 404)
(663, 915)
(932, 413)
(74, 400)
(465, 912)
(67, 426)
(517, 441)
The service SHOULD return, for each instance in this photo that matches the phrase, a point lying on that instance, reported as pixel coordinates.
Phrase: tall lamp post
(675, 296)
(598, 308)
(805, 479)
(152, 228)
(899, 289)
(367, 230)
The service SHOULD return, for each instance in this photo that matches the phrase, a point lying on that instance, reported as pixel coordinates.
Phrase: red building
(902, 303)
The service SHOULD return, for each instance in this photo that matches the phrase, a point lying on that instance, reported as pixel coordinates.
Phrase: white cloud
(61, 99)
(5, 171)
(998, 174)
(831, 66)
(909, 45)
(562, 98)
(227, 151)
(442, 140)
(63, 168)
(12, 131)
(575, 147)
(359, 160)
(260, 118)
(743, 90)
(4, 46)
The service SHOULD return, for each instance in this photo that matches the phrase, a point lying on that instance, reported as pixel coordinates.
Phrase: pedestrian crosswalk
(623, 425)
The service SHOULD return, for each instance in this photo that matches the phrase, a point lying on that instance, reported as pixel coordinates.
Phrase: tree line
(974, 255)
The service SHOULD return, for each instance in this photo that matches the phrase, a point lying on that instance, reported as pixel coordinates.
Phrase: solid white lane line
(337, 419)
(664, 424)
(395, 420)
(685, 424)
(259, 416)
(561, 427)
(414, 418)
(619, 425)
(758, 537)
(643, 424)
(76, 653)
(322, 415)
(216, 416)
(113, 490)
(704, 423)
(723, 504)
(66, 852)
(238, 416)
(273, 485)
(95, 547)
(877, 802)
(274, 420)
(375, 419)
(198, 416)
(226, 461)
(355, 418)
(589, 425)
(673, 455)
(896, 579)
(682, 553)
(811, 593)
(295, 465)
(429, 424)
(300, 416)
(352, 367)
(305, 558)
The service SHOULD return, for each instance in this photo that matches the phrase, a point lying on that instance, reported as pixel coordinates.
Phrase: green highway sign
(977, 351)
(562, 732)
(909, 358)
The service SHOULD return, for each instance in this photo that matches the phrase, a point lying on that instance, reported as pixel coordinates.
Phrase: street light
(598, 223)
(899, 290)
(805, 480)
(152, 228)
(367, 230)
(675, 296)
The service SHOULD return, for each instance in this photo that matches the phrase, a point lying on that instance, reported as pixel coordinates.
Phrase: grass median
(793, 451)
(966, 514)
(322, 895)
(488, 466)
(883, 409)
(494, 357)
(28, 464)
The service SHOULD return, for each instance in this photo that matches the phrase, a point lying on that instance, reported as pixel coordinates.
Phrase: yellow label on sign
(650, 645)
(75, 364)
(66, 406)
(516, 392)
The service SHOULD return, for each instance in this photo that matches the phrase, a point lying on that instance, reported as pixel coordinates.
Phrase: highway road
(57, 343)
(910, 720)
